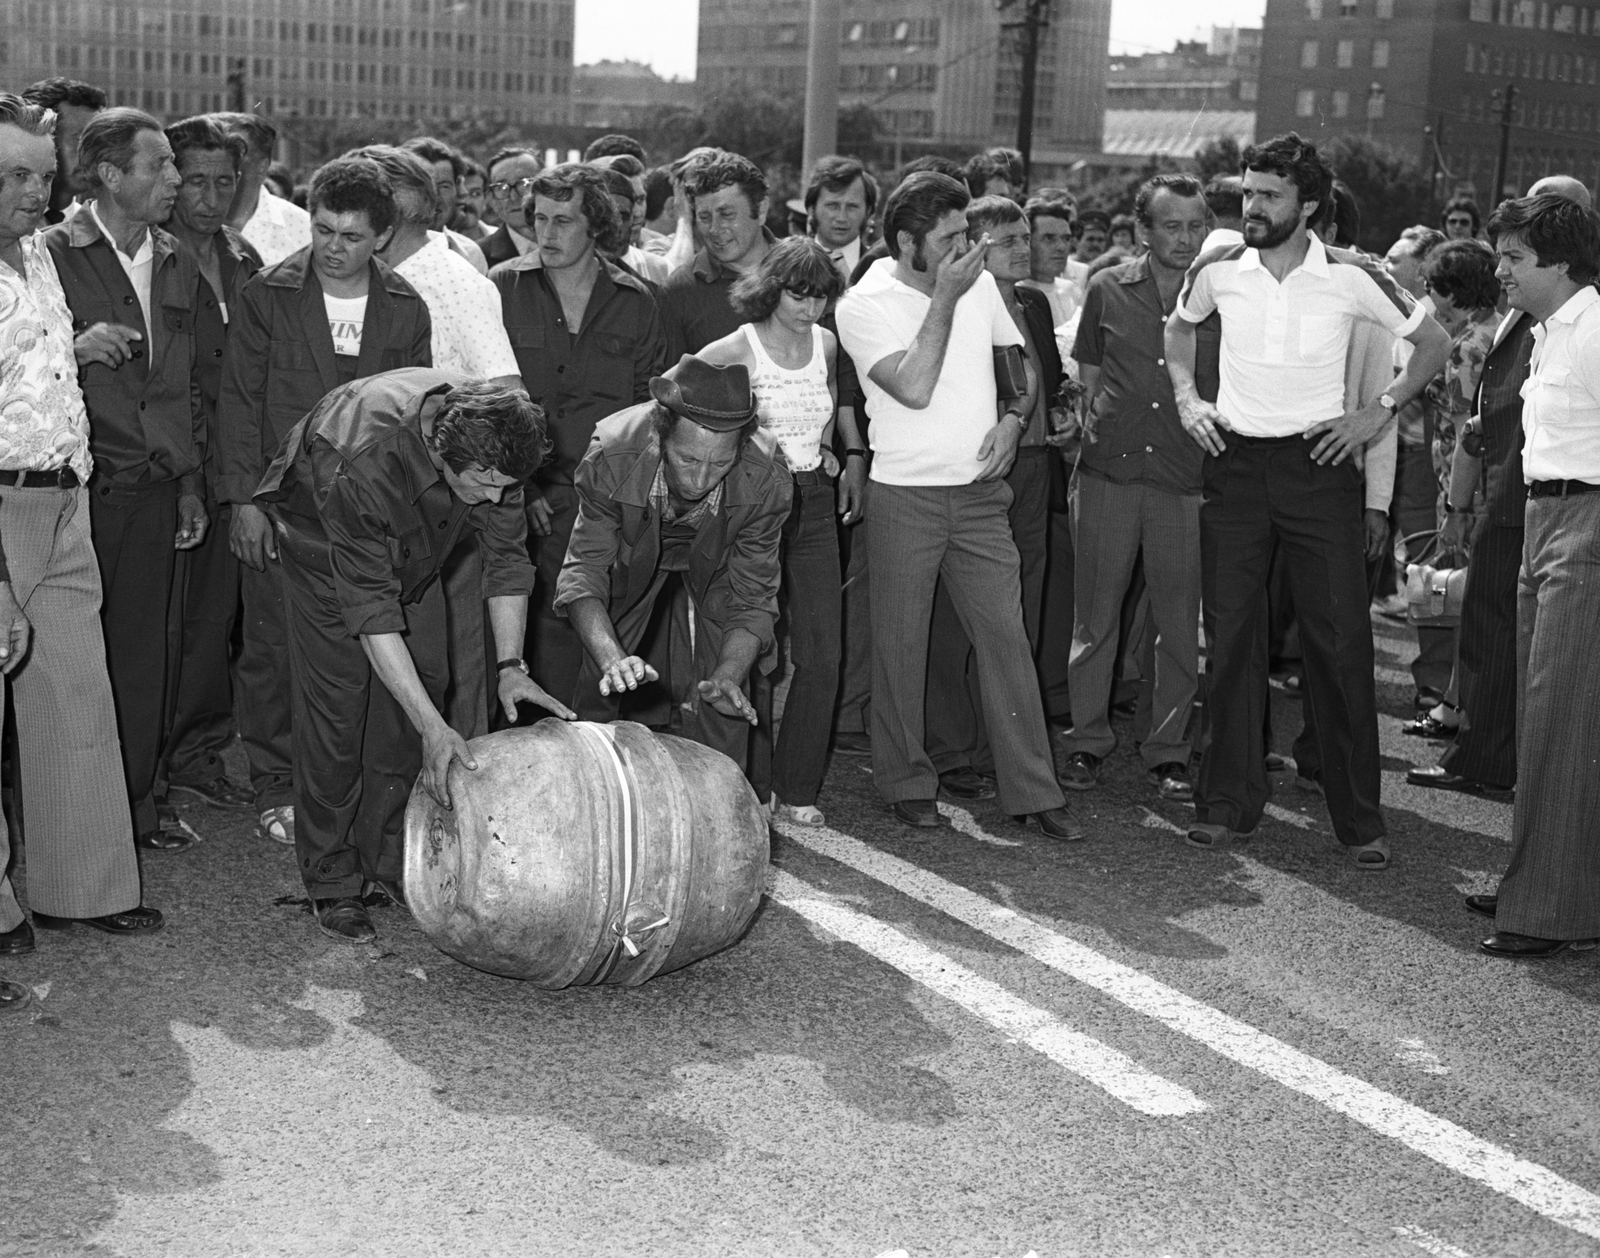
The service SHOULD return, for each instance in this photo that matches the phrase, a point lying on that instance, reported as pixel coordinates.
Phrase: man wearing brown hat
(689, 489)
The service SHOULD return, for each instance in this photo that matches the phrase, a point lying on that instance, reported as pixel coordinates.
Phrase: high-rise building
(625, 96)
(940, 71)
(1413, 72)
(1220, 75)
(401, 59)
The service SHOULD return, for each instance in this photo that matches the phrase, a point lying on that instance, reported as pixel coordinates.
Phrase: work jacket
(238, 260)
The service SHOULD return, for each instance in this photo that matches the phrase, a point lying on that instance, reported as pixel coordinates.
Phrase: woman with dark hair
(791, 363)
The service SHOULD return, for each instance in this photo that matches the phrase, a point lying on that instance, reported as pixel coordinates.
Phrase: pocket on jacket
(177, 319)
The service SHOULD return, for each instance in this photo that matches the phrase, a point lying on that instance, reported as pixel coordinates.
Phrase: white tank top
(795, 406)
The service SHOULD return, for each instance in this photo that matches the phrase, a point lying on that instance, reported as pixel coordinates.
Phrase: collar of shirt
(708, 270)
(849, 257)
(1314, 263)
(523, 244)
(138, 268)
(661, 501)
(1569, 312)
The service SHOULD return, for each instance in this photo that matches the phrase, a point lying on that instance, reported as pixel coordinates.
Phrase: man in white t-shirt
(922, 327)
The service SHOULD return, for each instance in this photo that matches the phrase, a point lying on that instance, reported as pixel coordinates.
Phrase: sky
(662, 33)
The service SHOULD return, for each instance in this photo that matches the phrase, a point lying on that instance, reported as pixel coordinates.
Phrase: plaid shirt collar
(661, 501)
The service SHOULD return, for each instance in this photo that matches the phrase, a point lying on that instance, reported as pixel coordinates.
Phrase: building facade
(1422, 77)
(1218, 75)
(625, 95)
(399, 59)
(933, 71)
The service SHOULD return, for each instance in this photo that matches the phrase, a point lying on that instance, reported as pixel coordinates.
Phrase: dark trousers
(468, 701)
(356, 754)
(855, 665)
(810, 601)
(1260, 493)
(1485, 747)
(956, 736)
(208, 599)
(263, 686)
(134, 527)
(554, 651)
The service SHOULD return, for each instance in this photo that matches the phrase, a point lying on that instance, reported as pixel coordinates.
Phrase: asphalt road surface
(966, 1042)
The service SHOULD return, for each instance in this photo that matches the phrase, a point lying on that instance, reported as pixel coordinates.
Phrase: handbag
(1433, 595)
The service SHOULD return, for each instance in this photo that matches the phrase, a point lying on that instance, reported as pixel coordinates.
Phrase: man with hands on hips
(1279, 471)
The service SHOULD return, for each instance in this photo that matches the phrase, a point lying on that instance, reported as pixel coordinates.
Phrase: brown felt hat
(717, 398)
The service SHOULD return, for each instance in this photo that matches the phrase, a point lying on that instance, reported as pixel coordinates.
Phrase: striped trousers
(81, 858)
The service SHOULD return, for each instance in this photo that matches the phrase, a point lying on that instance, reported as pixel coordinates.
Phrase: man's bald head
(1562, 186)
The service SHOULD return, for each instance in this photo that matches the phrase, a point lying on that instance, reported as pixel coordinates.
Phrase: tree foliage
(1217, 157)
(1391, 189)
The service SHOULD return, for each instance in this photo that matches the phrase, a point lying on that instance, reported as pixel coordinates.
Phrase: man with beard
(1279, 472)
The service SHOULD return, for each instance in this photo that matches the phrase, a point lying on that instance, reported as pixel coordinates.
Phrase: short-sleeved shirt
(468, 333)
(43, 422)
(1284, 344)
(937, 445)
(1561, 397)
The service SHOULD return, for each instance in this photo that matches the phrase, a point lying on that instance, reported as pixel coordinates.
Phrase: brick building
(1390, 68)
(934, 71)
(421, 59)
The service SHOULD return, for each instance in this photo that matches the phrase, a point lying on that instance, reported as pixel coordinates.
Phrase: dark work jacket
(616, 542)
(281, 362)
(618, 349)
(238, 260)
(498, 246)
(1500, 406)
(361, 500)
(146, 420)
(1036, 310)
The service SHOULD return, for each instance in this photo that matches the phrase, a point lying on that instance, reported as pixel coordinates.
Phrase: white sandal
(277, 824)
(800, 814)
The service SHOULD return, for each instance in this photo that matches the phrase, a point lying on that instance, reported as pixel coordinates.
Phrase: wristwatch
(1022, 420)
(1386, 400)
(514, 662)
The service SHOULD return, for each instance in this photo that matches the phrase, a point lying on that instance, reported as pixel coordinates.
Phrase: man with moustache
(74, 104)
(82, 863)
(511, 173)
(1279, 472)
(134, 296)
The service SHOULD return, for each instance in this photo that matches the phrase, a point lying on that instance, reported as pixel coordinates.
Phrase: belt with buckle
(60, 478)
(1560, 488)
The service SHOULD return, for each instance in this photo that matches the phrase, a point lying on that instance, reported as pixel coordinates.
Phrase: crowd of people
(949, 477)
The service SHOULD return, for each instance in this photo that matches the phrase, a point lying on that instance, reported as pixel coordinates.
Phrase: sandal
(800, 814)
(1206, 836)
(277, 824)
(1373, 856)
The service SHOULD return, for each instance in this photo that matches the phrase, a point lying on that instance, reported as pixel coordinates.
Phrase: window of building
(1340, 105)
(1247, 89)
(1380, 54)
(1305, 103)
(1565, 19)
(1524, 13)
(1345, 54)
(1308, 55)
(1314, 10)
(1375, 102)
(1347, 8)
(1385, 10)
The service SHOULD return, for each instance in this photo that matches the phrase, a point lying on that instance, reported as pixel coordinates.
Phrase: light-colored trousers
(81, 858)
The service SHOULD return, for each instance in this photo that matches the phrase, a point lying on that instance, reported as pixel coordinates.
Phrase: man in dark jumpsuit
(688, 488)
(369, 496)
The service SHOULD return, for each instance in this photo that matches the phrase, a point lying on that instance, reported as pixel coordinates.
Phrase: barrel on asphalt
(581, 853)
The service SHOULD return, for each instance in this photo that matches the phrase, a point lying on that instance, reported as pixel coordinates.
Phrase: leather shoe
(922, 813)
(852, 743)
(219, 793)
(1439, 779)
(163, 841)
(966, 783)
(345, 918)
(1427, 726)
(1081, 772)
(1504, 943)
(16, 942)
(1172, 781)
(139, 921)
(1485, 904)
(1056, 823)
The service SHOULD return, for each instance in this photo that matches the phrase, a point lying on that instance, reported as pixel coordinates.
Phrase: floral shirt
(43, 422)
(1451, 393)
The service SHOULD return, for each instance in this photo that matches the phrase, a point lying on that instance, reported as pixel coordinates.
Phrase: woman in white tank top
(791, 361)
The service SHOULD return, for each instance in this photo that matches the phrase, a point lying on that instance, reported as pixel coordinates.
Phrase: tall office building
(422, 59)
(1391, 68)
(932, 70)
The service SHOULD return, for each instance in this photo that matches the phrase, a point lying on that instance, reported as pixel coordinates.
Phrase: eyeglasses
(500, 188)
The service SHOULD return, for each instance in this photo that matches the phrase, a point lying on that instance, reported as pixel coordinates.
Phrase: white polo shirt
(1561, 397)
(937, 445)
(1284, 345)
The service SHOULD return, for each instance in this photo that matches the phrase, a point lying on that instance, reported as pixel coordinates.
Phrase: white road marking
(963, 822)
(1452, 1146)
(1428, 1241)
(1419, 1056)
(1039, 1029)
(1297, 819)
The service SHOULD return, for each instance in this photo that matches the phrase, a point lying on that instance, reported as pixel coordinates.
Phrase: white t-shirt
(468, 335)
(346, 316)
(937, 445)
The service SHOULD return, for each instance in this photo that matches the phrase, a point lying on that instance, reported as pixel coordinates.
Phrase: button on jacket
(239, 261)
(354, 477)
(578, 382)
(616, 543)
(280, 359)
(146, 421)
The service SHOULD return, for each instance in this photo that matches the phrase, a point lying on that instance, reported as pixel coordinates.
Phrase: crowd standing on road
(953, 473)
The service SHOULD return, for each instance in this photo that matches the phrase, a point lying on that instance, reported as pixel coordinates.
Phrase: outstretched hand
(726, 697)
(628, 673)
(517, 687)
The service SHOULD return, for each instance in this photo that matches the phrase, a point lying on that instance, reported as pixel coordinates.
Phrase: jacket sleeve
(503, 543)
(195, 482)
(596, 536)
(358, 541)
(745, 590)
(649, 351)
(242, 405)
(422, 342)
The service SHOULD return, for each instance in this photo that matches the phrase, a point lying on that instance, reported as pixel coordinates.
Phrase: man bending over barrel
(687, 487)
(369, 496)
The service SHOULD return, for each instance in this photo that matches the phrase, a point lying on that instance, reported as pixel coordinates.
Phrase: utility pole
(1035, 17)
(822, 85)
(1507, 100)
(236, 98)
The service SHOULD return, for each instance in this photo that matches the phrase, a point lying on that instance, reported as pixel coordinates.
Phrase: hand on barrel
(628, 673)
(726, 697)
(517, 687)
(440, 746)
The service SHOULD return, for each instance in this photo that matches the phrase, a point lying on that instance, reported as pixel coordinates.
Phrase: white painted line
(1428, 1241)
(1039, 1029)
(963, 822)
(1454, 1147)
(1297, 819)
